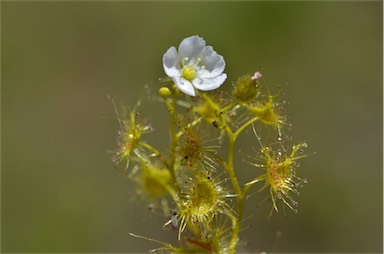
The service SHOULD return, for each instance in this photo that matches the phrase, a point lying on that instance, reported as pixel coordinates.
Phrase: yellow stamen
(188, 72)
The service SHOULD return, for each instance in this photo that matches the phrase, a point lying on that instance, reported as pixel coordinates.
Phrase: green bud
(164, 92)
(245, 88)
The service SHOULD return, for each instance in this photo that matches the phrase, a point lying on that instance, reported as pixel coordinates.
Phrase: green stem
(173, 134)
(236, 186)
(244, 126)
(229, 106)
(155, 152)
(230, 168)
(240, 194)
(236, 227)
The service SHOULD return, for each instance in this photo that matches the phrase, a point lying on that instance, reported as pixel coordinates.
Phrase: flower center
(188, 72)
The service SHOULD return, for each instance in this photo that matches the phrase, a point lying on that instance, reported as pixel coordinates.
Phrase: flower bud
(246, 88)
(164, 92)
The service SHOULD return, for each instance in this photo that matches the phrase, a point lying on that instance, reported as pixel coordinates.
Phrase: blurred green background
(60, 61)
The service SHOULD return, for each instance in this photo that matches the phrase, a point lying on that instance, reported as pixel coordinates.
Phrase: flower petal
(208, 84)
(191, 47)
(184, 85)
(171, 62)
(213, 62)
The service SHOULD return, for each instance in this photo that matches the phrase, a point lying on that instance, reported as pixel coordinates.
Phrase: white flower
(194, 65)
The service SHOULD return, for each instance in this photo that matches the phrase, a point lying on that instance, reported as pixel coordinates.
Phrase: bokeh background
(60, 191)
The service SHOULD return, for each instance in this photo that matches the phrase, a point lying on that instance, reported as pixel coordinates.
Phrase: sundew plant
(192, 181)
